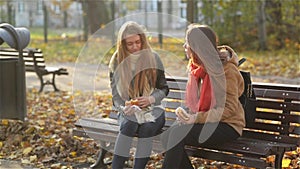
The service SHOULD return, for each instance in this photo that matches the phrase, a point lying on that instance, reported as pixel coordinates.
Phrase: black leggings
(177, 136)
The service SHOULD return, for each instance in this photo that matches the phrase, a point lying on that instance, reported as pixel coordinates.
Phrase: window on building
(39, 7)
(56, 7)
(21, 7)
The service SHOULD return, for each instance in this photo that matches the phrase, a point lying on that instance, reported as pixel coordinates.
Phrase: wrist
(194, 116)
(151, 99)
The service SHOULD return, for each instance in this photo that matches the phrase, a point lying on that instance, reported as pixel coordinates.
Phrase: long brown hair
(210, 34)
(144, 78)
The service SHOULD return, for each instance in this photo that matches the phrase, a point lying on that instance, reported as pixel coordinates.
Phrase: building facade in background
(67, 13)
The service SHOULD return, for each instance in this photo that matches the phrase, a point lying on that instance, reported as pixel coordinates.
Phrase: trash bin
(12, 73)
(12, 89)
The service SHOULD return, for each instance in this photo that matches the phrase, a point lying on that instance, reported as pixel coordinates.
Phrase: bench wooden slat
(295, 130)
(272, 137)
(171, 115)
(228, 157)
(176, 95)
(276, 86)
(277, 105)
(109, 137)
(245, 146)
(284, 118)
(174, 85)
(171, 105)
(274, 128)
(37, 56)
(98, 125)
(277, 94)
(98, 120)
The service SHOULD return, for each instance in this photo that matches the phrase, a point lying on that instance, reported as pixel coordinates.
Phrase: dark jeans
(177, 136)
(144, 132)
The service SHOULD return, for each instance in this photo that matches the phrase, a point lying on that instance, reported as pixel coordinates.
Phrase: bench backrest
(33, 58)
(277, 116)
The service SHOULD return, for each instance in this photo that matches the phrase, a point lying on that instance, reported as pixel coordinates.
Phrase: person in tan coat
(213, 114)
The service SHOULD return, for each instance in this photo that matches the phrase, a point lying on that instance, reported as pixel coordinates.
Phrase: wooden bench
(34, 62)
(274, 131)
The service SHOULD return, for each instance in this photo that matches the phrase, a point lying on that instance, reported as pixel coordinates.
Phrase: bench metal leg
(47, 83)
(42, 83)
(99, 164)
(278, 160)
(53, 83)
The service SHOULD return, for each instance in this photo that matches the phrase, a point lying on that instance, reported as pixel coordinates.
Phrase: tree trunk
(170, 8)
(65, 18)
(45, 12)
(262, 34)
(113, 18)
(160, 23)
(276, 19)
(85, 21)
(10, 13)
(190, 10)
(146, 14)
(97, 14)
(30, 18)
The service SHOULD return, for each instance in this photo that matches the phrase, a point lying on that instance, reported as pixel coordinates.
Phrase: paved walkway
(81, 77)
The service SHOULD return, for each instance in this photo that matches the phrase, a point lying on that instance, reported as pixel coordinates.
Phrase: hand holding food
(145, 101)
(184, 117)
(181, 113)
(132, 102)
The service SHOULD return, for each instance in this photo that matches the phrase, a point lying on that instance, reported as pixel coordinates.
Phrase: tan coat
(233, 112)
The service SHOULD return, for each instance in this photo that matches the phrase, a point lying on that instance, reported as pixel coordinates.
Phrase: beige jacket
(233, 112)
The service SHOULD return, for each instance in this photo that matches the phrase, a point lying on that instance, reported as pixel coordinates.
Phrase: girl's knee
(147, 132)
(128, 128)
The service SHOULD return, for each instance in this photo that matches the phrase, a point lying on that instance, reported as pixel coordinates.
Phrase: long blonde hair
(144, 77)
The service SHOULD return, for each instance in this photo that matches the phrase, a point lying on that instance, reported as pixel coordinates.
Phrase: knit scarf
(192, 99)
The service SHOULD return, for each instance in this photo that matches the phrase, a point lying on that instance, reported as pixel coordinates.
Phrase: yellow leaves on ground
(73, 154)
(27, 150)
(45, 140)
(291, 159)
(4, 122)
(286, 162)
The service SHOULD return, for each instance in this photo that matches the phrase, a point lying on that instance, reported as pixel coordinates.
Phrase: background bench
(274, 130)
(34, 62)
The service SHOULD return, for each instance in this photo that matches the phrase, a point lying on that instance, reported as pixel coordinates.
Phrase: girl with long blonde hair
(136, 73)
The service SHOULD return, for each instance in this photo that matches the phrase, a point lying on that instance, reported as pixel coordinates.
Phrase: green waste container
(12, 73)
(12, 89)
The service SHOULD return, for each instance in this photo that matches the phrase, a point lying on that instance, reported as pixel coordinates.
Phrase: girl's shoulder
(230, 68)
